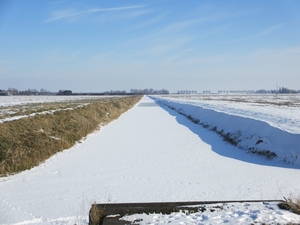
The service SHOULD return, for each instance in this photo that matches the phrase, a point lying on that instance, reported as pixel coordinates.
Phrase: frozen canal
(149, 154)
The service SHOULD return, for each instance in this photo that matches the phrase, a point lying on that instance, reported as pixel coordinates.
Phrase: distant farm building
(3, 93)
(64, 92)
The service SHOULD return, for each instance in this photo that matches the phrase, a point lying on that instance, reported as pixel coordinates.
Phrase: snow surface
(281, 111)
(229, 213)
(12, 118)
(8, 104)
(256, 127)
(13, 100)
(150, 154)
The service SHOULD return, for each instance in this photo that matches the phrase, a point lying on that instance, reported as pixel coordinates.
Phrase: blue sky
(177, 45)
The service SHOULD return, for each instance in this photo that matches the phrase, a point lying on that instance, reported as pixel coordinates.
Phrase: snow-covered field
(280, 111)
(154, 154)
(18, 107)
(6, 101)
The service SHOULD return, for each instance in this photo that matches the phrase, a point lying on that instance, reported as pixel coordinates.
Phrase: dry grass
(95, 215)
(292, 204)
(27, 142)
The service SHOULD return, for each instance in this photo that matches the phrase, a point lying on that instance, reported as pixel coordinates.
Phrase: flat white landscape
(14, 100)
(150, 154)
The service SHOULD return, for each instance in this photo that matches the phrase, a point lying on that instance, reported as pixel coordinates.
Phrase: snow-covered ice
(150, 154)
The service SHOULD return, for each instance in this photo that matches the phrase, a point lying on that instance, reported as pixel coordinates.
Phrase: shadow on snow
(221, 147)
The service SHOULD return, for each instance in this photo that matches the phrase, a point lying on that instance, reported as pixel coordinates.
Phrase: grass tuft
(291, 204)
(95, 215)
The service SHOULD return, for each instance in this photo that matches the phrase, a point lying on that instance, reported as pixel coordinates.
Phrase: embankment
(26, 142)
(254, 136)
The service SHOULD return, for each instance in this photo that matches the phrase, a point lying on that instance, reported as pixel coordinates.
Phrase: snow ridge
(253, 135)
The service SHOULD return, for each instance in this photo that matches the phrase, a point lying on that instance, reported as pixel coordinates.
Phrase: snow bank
(232, 213)
(281, 111)
(253, 135)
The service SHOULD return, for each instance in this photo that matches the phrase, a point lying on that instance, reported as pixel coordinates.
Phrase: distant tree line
(132, 92)
(15, 91)
(187, 92)
(149, 91)
(281, 90)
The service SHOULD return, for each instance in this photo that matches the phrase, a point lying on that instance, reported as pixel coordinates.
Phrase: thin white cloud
(178, 27)
(145, 24)
(261, 56)
(123, 15)
(261, 34)
(172, 36)
(201, 20)
(71, 14)
(215, 30)
(167, 45)
(60, 56)
(151, 21)
(291, 54)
